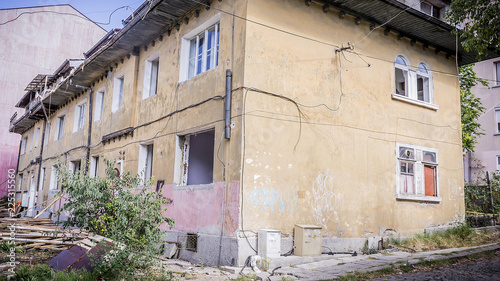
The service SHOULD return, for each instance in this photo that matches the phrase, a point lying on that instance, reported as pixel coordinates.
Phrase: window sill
(193, 187)
(418, 198)
(496, 134)
(415, 102)
(496, 86)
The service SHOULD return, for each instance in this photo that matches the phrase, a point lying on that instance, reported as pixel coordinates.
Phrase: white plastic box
(269, 243)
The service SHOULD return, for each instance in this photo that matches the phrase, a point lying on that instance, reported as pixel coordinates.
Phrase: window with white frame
(24, 145)
(195, 155)
(79, 121)
(146, 161)
(53, 178)
(150, 77)
(94, 166)
(32, 140)
(497, 116)
(497, 72)
(75, 166)
(37, 136)
(20, 184)
(200, 49)
(430, 9)
(47, 134)
(498, 163)
(59, 128)
(118, 93)
(412, 85)
(99, 103)
(42, 179)
(417, 172)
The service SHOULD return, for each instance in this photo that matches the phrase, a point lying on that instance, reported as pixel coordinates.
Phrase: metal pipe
(227, 106)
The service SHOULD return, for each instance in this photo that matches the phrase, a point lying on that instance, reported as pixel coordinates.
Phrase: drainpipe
(227, 106)
(90, 126)
(40, 158)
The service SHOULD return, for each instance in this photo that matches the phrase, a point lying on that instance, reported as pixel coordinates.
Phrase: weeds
(459, 236)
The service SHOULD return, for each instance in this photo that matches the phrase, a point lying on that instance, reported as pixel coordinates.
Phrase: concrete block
(169, 250)
(262, 276)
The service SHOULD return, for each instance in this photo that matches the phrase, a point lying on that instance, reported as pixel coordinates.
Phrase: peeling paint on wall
(325, 201)
(453, 187)
(271, 200)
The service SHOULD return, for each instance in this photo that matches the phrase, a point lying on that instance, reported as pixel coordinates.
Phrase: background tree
(480, 20)
(471, 107)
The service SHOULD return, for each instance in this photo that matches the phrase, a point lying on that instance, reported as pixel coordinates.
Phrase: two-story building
(254, 114)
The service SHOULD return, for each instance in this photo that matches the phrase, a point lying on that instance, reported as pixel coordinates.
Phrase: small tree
(471, 107)
(480, 20)
(119, 209)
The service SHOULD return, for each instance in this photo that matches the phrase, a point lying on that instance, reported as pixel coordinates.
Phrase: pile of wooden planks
(37, 233)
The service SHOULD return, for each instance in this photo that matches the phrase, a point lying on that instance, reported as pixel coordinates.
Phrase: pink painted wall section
(200, 210)
(8, 160)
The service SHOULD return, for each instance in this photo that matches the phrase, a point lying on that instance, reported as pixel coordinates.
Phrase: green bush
(118, 208)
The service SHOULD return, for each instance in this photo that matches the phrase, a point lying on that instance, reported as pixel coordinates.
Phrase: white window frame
(432, 7)
(418, 172)
(99, 105)
(118, 89)
(151, 72)
(47, 134)
(32, 140)
(411, 87)
(20, 184)
(146, 155)
(497, 120)
(94, 167)
(80, 111)
(53, 178)
(42, 179)
(496, 65)
(59, 131)
(186, 47)
(37, 136)
(24, 145)
(73, 165)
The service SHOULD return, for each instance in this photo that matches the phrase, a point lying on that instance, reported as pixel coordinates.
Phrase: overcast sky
(96, 10)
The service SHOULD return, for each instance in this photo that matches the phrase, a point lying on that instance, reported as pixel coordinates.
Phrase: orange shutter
(430, 188)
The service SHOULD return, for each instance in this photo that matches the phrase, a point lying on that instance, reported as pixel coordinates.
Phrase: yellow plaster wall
(333, 164)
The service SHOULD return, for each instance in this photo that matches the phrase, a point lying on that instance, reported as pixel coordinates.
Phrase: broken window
(118, 93)
(47, 134)
(94, 166)
(401, 76)
(417, 171)
(75, 166)
(197, 158)
(407, 176)
(79, 121)
(53, 178)
(146, 161)
(59, 128)
(151, 77)
(37, 136)
(99, 102)
(24, 145)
